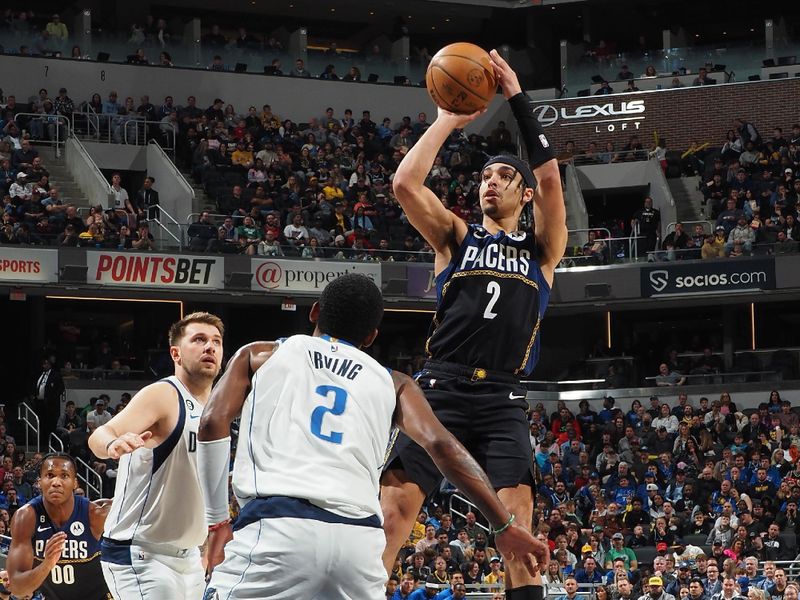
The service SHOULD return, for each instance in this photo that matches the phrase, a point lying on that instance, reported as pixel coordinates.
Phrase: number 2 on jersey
(492, 288)
(318, 414)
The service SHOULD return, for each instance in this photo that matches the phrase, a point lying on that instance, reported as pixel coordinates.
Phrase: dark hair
(350, 308)
(63, 456)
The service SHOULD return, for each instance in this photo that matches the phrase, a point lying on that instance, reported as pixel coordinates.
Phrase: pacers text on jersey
(500, 257)
(73, 549)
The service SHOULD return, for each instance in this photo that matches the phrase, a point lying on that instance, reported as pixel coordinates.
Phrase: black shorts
(488, 416)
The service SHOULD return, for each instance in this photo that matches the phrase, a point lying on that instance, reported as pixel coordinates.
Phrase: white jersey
(316, 426)
(157, 499)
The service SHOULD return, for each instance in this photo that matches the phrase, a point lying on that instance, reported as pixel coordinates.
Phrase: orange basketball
(460, 78)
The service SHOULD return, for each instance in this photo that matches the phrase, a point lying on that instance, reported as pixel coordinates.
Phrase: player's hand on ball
(517, 543)
(506, 77)
(126, 443)
(455, 120)
(215, 547)
(53, 548)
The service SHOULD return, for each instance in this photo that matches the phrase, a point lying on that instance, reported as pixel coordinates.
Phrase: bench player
(55, 539)
(152, 534)
(316, 417)
(493, 284)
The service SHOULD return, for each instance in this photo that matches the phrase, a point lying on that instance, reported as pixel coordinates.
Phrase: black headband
(520, 165)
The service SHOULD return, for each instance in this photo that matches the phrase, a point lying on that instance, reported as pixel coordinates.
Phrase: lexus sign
(708, 277)
(608, 116)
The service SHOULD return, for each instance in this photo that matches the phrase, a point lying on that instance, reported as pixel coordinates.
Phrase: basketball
(460, 78)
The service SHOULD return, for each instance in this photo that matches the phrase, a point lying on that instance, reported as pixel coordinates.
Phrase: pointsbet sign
(708, 277)
(154, 270)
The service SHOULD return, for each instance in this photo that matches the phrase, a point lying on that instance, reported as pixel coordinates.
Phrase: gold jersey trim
(499, 275)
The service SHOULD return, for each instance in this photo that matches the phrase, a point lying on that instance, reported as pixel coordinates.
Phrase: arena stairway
(60, 177)
(688, 199)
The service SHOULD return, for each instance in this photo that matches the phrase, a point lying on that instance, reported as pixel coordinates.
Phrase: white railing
(88, 175)
(165, 229)
(90, 478)
(30, 419)
(54, 443)
(461, 506)
(61, 123)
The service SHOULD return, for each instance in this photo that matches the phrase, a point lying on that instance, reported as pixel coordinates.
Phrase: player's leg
(504, 448)
(144, 577)
(401, 501)
(357, 573)
(520, 585)
(192, 575)
(270, 558)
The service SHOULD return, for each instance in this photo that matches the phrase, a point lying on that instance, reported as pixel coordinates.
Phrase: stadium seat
(645, 555)
(695, 540)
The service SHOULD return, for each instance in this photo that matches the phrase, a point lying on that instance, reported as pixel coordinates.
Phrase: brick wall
(681, 116)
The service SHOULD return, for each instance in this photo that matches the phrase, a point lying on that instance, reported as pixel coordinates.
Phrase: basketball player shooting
(316, 414)
(55, 539)
(493, 283)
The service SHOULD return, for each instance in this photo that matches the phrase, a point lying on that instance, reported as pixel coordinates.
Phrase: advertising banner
(309, 276)
(421, 282)
(708, 277)
(28, 265)
(155, 270)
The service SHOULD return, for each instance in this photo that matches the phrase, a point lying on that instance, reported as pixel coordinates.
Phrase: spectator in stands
(201, 232)
(741, 234)
(703, 78)
(604, 89)
(97, 417)
(147, 200)
(588, 574)
(648, 221)
(299, 69)
(143, 239)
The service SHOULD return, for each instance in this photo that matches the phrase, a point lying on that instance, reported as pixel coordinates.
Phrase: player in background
(493, 285)
(316, 415)
(152, 534)
(55, 539)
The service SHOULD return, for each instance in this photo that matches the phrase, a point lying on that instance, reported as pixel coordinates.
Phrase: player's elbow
(402, 184)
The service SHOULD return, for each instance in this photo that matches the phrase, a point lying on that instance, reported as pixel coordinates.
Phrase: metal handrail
(58, 446)
(671, 226)
(58, 119)
(472, 508)
(31, 421)
(88, 474)
(93, 165)
(720, 375)
(177, 172)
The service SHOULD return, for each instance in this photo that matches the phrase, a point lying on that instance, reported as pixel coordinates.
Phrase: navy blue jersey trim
(164, 449)
(282, 507)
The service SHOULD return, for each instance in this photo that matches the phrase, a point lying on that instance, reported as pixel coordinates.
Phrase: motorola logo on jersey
(76, 528)
(501, 257)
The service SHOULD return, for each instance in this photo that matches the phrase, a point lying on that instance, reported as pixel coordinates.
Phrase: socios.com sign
(708, 277)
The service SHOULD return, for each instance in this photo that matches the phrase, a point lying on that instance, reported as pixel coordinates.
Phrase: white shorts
(291, 558)
(141, 572)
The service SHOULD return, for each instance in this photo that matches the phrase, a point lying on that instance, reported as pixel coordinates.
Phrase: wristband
(536, 143)
(506, 525)
(219, 525)
(108, 445)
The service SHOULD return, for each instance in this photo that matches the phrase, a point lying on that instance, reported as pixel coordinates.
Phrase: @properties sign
(607, 117)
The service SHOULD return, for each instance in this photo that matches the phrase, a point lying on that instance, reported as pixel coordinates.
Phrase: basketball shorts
(286, 548)
(486, 412)
(136, 571)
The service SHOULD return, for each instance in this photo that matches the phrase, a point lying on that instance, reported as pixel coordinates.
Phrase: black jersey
(78, 575)
(490, 302)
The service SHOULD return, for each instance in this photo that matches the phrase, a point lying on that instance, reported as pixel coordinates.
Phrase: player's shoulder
(24, 520)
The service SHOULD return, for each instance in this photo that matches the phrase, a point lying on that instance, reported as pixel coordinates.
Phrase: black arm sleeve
(536, 143)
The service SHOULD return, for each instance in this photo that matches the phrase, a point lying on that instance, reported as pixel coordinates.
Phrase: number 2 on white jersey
(318, 414)
(492, 288)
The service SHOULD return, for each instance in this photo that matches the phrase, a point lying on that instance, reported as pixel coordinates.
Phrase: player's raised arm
(439, 226)
(23, 578)
(133, 427)
(416, 419)
(549, 211)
